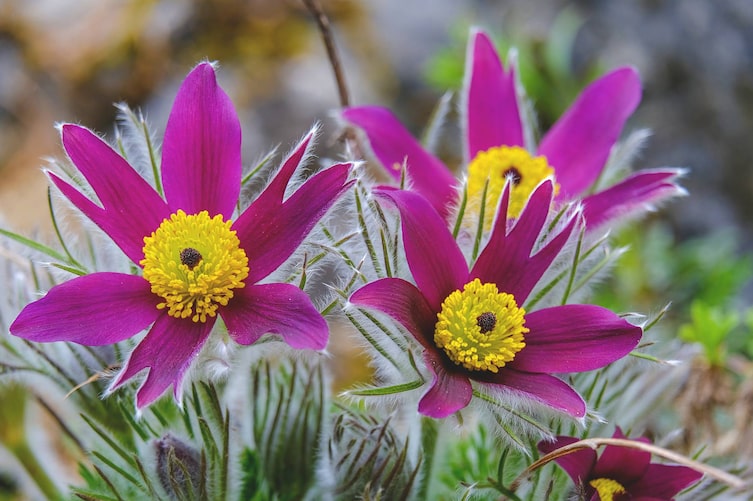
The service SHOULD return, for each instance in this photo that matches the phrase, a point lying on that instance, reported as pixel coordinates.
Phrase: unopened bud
(180, 468)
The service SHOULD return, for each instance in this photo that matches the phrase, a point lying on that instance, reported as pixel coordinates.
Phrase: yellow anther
(480, 328)
(495, 166)
(194, 262)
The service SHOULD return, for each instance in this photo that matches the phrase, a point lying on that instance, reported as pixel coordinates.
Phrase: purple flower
(196, 262)
(471, 323)
(621, 472)
(574, 151)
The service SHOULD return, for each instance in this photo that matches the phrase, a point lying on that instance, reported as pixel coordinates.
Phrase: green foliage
(710, 327)
(479, 466)
(657, 268)
(159, 465)
(370, 459)
(193, 453)
(288, 405)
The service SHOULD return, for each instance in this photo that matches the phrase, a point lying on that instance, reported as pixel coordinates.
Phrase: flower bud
(180, 468)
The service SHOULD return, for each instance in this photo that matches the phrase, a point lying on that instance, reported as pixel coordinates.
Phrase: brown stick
(594, 443)
(322, 22)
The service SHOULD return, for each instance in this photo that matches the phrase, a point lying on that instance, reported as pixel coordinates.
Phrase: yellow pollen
(194, 262)
(498, 164)
(480, 328)
(608, 489)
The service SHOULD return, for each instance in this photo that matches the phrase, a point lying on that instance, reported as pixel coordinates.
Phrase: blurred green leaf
(710, 327)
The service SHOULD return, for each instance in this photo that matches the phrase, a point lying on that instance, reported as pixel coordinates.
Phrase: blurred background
(69, 61)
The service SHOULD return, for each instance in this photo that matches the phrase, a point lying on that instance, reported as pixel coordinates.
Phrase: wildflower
(621, 472)
(472, 324)
(196, 262)
(574, 151)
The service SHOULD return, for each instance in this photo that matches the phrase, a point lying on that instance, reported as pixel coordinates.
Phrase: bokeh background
(69, 61)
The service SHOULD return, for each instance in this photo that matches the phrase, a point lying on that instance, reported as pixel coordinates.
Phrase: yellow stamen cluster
(480, 328)
(608, 489)
(194, 262)
(498, 164)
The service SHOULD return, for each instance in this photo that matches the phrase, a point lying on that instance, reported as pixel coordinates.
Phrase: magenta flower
(574, 151)
(471, 323)
(621, 473)
(196, 262)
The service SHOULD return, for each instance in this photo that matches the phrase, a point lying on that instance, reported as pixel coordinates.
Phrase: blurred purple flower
(575, 150)
(470, 323)
(196, 262)
(621, 472)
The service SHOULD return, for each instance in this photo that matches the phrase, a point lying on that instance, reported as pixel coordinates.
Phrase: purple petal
(270, 231)
(574, 338)
(274, 193)
(201, 151)
(167, 350)
(506, 260)
(543, 388)
(449, 391)
(662, 481)
(282, 309)
(131, 209)
(394, 146)
(578, 145)
(492, 106)
(435, 260)
(94, 310)
(623, 464)
(638, 192)
(577, 464)
(402, 301)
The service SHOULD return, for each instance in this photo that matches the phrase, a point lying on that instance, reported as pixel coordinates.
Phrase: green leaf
(32, 244)
(710, 327)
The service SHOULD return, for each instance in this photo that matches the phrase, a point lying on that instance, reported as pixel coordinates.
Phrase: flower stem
(429, 437)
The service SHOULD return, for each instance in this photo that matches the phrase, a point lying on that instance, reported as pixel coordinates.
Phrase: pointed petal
(578, 464)
(435, 260)
(167, 350)
(506, 260)
(282, 309)
(131, 209)
(394, 146)
(622, 464)
(492, 112)
(201, 151)
(637, 193)
(274, 193)
(578, 145)
(449, 390)
(93, 310)
(402, 301)
(663, 481)
(543, 388)
(270, 231)
(574, 338)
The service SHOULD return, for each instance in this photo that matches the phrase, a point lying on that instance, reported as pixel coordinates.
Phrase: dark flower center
(486, 322)
(513, 175)
(190, 257)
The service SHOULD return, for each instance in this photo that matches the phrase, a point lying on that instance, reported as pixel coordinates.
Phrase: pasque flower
(621, 473)
(197, 263)
(574, 151)
(472, 325)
